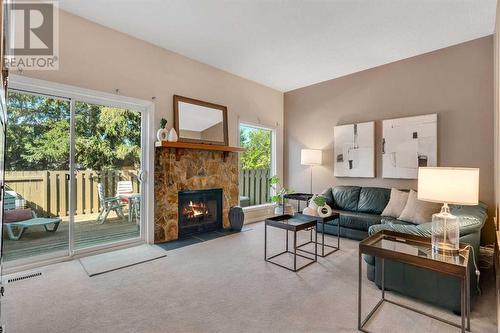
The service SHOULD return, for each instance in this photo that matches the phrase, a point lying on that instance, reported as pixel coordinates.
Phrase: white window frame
(273, 171)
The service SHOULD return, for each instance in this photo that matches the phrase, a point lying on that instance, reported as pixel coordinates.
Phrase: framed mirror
(201, 122)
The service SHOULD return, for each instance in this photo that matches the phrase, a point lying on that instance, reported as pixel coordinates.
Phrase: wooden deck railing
(254, 184)
(47, 192)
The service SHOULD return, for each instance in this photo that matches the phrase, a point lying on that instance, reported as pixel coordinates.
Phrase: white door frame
(146, 108)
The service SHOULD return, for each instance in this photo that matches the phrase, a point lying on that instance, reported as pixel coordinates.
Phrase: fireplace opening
(199, 211)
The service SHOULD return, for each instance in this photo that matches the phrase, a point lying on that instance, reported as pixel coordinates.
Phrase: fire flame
(195, 210)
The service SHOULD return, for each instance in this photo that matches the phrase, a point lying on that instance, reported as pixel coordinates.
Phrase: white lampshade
(310, 157)
(458, 186)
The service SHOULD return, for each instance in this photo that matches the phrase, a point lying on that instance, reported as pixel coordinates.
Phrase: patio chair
(16, 221)
(124, 189)
(107, 205)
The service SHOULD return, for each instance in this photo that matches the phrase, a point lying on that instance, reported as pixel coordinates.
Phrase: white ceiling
(288, 44)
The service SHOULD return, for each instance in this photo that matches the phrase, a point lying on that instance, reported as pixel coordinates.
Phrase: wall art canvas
(407, 144)
(354, 150)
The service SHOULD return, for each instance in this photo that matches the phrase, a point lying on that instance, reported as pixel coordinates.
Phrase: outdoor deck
(36, 240)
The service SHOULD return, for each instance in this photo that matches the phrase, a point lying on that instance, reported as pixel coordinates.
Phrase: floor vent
(24, 277)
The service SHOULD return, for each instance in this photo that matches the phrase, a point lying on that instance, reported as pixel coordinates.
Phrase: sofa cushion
(373, 200)
(396, 204)
(346, 197)
(356, 220)
(418, 211)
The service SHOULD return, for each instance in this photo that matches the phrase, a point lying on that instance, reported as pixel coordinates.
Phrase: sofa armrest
(424, 230)
(468, 225)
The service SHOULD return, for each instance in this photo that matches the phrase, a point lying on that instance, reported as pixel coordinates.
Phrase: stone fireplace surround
(195, 169)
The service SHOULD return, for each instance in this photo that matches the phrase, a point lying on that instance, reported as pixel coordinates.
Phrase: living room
(222, 166)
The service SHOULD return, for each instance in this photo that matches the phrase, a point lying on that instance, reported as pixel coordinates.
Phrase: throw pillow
(16, 215)
(418, 211)
(396, 204)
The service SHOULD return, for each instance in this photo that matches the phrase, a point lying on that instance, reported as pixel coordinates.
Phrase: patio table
(133, 200)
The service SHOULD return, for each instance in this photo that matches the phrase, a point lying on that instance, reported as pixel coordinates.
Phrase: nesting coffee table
(332, 220)
(294, 224)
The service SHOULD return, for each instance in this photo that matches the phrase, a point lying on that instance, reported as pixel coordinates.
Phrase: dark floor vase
(236, 218)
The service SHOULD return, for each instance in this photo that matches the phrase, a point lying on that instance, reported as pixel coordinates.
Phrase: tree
(38, 130)
(257, 144)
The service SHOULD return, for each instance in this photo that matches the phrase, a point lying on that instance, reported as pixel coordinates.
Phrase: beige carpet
(222, 285)
(111, 261)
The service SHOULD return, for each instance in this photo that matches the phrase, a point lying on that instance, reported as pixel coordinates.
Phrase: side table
(329, 220)
(416, 251)
(299, 197)
(293, 224)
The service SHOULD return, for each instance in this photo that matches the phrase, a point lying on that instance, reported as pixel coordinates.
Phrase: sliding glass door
(107, 174)
(73, 175)
(36, 208)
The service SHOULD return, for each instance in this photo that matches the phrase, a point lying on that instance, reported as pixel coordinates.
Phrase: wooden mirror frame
(178, 99)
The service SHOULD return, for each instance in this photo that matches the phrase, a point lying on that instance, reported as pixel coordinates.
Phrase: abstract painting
(407, 144)
(354, 150)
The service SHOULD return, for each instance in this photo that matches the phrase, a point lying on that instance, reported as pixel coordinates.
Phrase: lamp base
(445, 232)
(444, 249)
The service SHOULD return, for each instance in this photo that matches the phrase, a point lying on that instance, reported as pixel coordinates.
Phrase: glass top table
(416, 251)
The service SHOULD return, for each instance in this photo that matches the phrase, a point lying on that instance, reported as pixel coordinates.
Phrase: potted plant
(323, 209)
(162, 132)
(283, 207)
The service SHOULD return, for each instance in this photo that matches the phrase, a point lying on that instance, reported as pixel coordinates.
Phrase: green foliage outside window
(257, 144)
(37, 135)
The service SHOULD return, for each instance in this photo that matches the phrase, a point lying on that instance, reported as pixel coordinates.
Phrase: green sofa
(360, 209)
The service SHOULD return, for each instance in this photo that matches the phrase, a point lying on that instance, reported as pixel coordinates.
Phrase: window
(256, 164)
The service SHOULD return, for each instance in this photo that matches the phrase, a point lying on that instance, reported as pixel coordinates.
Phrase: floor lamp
(311, 157)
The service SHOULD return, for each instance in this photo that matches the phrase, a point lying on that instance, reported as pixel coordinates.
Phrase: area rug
(111, 261)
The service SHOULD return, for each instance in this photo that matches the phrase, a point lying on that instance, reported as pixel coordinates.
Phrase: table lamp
(311, 157)
(458, 186)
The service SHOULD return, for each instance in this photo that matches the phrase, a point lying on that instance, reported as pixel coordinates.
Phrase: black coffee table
(293, 224)
(333, 220)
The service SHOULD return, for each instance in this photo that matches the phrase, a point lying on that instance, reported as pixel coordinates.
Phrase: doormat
(111, 261)
(195, 239)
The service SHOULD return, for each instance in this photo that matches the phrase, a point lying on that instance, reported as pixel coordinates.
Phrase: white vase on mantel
(162, 134)
(172, 135)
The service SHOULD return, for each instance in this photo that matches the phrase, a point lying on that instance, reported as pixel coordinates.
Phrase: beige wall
(455, 82)
(99, 58)
(213, 133)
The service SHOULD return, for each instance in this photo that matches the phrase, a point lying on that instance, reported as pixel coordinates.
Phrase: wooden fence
(47, 192)
(254, 184)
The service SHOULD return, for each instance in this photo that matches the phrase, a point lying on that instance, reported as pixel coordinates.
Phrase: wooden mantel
(179, 146)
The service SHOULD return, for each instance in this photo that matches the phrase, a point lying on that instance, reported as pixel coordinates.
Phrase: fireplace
(200, 211)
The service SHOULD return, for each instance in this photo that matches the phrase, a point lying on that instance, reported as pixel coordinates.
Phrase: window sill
(259, 207)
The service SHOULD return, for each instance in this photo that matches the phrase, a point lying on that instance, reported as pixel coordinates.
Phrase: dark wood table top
(416, 251)
(320, 219)
(292, 223)
(298, 196)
